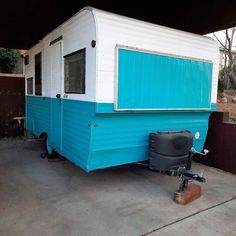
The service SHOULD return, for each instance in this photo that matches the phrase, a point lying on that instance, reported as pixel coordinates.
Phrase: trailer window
(75, 72)
(38, 74)
(162, 82)
(26, 60)
(30, 86)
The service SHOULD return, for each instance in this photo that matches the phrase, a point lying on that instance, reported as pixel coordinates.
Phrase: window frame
(32, 79)
(35, 76)
(83, 50)
(26, 60)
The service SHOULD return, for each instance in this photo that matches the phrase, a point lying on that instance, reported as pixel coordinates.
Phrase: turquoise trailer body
(93, 136)
(99, 104)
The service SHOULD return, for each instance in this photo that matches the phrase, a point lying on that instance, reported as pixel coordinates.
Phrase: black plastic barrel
(169, 150)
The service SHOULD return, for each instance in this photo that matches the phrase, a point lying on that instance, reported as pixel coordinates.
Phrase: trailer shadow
(65, 200)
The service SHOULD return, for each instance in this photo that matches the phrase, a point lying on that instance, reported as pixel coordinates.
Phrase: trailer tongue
(171, 153)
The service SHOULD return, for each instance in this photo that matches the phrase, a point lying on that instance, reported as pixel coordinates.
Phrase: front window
(75, 72)
(30, 86)
(38, 74)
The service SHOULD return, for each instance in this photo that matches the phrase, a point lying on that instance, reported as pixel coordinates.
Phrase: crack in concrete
(186, 217)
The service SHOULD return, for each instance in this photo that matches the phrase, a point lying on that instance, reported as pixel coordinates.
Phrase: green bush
(8, 59)
(232, 120)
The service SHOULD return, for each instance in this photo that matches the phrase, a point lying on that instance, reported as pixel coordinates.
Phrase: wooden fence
(12, 104)
(221, 142)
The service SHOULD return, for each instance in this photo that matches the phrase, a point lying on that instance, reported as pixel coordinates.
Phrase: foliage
(232, 76)
(228, 77)
(232, 120)
(8, 59)
(221, 86)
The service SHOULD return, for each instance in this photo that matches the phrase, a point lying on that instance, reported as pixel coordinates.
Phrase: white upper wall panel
(113, 30)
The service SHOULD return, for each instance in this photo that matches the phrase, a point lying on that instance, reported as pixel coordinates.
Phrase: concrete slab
(43, 198)
(217, 221)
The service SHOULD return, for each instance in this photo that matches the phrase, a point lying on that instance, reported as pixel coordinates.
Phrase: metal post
(184, 184)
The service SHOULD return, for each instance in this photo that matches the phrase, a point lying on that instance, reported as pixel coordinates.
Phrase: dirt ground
(230, 106)
(227, 107)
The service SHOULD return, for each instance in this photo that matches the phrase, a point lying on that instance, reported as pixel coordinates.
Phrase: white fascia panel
(113, 30)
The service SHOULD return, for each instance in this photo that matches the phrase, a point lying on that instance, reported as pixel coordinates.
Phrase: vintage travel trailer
(100, 83)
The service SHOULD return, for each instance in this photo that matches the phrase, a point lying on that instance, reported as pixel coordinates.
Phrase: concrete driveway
(57, 198)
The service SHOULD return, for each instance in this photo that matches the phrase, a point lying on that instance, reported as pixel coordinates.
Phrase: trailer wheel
(48, 149)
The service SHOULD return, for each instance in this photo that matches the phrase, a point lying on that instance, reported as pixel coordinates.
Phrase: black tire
(50, 152)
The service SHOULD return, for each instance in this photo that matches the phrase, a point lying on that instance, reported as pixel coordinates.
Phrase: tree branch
(224, 46)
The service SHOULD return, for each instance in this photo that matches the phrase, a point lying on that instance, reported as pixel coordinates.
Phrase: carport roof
(24, 22)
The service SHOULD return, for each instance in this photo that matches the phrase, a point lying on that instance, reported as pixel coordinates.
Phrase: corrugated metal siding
(94, 141)
(76, 130)
(77, 34)
(123, 138)
(38, 112)
(72, 125)
(113, 30)
(55, 132)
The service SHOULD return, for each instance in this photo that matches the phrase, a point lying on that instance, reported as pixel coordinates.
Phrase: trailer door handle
(58, 95)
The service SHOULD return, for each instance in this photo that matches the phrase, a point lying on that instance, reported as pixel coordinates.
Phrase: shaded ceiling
(24, 22)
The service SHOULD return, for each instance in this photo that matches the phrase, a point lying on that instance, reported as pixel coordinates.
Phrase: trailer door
(56, 101)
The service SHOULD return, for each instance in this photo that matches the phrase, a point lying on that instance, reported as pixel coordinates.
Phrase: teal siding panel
(99, 140)
(55, 123)
(77, 119)
(104, 107)
(38, 112)
(213, 107)
(151, 81)
(109, 108)
(67, 123)
(121, 138)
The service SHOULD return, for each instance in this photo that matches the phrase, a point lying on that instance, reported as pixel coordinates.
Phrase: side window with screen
(38, 74)
(30, 86)
(75, 72)
(26, 60)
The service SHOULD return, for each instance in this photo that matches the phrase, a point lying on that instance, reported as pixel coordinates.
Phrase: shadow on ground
(58, 198)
